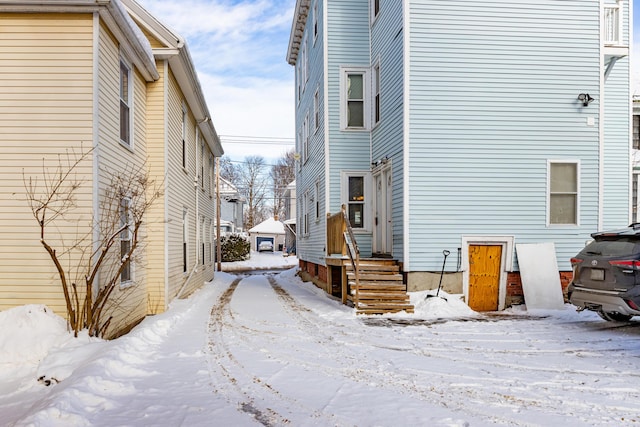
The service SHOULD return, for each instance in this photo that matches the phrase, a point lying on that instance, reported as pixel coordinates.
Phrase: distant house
(290, 218)
(269, 230)
(466, 126)
(107, 76)
(231, 208)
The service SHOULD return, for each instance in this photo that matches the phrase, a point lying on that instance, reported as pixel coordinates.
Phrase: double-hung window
(316, 110)
(126, 235)
(354, 87)
(305, 139)
(184, 137)
(202, 164)
(305, 213)
(376, 93)
(185, 239)
(125, 103)
(374, 6)
(355, 195)
(317, 200)
(636, 132)
(563, 192)
(315, 21)
(202, 240)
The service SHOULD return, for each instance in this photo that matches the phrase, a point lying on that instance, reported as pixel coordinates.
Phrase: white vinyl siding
(47, 109)
(483, 122)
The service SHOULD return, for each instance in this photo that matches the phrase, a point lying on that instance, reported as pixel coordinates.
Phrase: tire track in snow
(450, 389)
(372, 371)
(254, 393)
(221, 357)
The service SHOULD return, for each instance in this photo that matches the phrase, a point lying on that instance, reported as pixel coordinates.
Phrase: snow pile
(18, 326)
(270, 349)
(428, 305)
(261, 261)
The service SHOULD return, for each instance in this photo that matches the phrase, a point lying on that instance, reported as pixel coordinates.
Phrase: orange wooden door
(484, 276)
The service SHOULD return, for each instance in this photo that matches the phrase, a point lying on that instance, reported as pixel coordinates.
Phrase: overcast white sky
(239, 49)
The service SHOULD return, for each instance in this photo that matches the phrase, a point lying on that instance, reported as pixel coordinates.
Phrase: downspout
(601, 125)
(95, 155)
(165, 118)
(197, 217)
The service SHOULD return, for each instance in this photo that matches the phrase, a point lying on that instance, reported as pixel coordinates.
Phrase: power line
(257, 140)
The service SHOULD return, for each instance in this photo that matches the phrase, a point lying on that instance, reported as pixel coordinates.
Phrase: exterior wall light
(585, 98)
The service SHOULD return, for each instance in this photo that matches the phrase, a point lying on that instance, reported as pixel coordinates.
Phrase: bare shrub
(98, 259)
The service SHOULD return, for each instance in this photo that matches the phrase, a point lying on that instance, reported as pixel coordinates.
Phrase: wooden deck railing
(341, 240)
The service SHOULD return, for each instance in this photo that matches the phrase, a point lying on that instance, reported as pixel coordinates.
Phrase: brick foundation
(515, 295)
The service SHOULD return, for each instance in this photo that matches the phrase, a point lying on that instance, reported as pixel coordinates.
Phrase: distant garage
(269, 231)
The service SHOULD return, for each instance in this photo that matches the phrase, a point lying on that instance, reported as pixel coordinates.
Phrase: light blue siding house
(466, 126)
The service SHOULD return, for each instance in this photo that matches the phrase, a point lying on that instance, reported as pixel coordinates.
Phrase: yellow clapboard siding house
(108, 79)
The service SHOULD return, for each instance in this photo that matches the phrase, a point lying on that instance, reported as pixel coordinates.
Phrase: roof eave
(297, 30)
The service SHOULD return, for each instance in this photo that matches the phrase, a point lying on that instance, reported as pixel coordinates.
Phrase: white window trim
(375, 91)
(316, 110)
(185, 146)
(130, 104)
(344, 196)
(578, 192)
(316, 206)
(305, 214)
(126, 203)
(366, 81)
(315, 30)
(372, 15)
(185, 240)
(211, 175)
(305, 138)
(299, 148)
(202, 164)
(299, 80)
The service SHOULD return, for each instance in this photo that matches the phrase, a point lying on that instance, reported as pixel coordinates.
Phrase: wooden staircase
(371, 285)
(379, 289)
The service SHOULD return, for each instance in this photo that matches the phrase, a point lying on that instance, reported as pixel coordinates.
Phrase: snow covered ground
(268, 349)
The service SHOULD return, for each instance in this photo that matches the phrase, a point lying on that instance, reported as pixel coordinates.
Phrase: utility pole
(218, 246)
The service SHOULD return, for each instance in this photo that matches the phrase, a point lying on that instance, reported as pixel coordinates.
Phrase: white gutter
(406, 137)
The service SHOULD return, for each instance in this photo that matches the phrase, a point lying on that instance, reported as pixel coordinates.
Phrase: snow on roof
(270, 226)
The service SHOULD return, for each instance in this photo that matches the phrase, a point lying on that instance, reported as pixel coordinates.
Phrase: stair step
(381, 286)
(376, 267)
(378, 297)
(376, 276)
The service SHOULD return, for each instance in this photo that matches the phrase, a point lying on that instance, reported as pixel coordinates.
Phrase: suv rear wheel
(614, 317)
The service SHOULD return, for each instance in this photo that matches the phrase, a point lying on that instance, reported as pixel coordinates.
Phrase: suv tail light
(634, 264)
(575, 261)
(632, 304)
